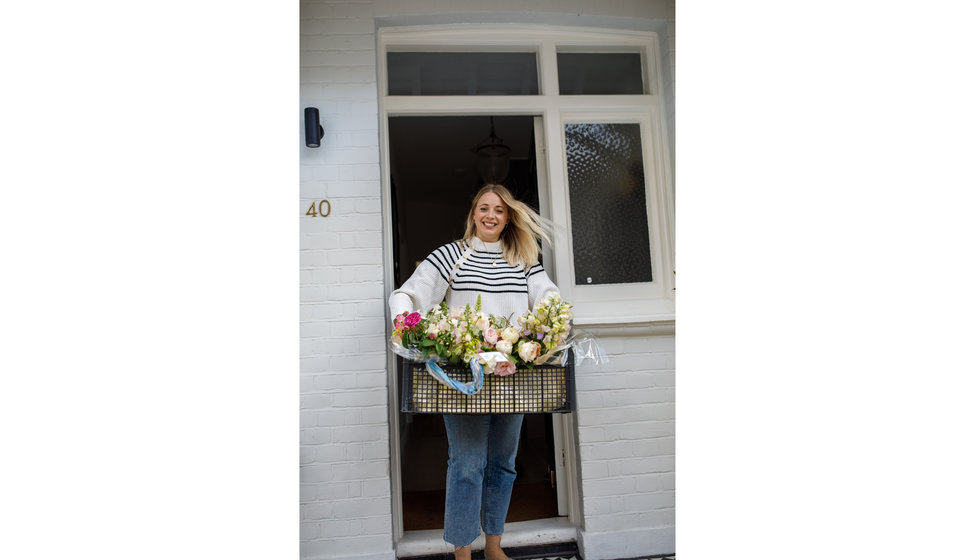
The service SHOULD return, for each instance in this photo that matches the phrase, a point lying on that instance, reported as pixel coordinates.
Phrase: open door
(433, 179)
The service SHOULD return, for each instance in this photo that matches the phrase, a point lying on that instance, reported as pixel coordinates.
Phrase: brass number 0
(312, 210)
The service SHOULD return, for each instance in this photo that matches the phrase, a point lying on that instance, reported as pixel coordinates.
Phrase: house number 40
(316, 209)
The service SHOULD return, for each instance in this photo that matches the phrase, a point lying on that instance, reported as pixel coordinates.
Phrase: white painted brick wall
(626, 444)
(345, 493)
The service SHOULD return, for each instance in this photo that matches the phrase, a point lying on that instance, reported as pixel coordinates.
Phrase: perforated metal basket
(545, 389)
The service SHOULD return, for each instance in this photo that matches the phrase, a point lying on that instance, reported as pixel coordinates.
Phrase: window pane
(610, 237)
(462, 73)
(599, 74)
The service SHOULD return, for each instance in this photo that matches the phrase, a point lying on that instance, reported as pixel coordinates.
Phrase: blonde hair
(525, 228)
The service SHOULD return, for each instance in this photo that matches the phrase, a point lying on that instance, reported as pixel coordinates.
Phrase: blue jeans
(481, 474)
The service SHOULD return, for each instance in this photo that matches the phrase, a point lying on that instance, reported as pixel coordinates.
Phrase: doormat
(551, 551)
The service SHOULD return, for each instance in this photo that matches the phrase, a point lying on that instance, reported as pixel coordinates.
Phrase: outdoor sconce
(314, 132)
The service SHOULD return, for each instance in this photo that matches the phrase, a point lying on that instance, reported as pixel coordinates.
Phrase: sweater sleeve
(538, 285)
(428, 284)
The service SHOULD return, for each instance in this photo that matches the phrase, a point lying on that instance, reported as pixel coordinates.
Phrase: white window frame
(626, 304)
(632, 302)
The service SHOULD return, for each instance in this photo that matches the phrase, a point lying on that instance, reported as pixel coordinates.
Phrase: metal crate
(545, 389)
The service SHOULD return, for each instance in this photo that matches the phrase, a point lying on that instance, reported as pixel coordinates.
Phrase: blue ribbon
(470, 388)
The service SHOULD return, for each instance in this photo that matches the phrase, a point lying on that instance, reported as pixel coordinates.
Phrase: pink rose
(505, 367)
(491, 335)
(413, 319)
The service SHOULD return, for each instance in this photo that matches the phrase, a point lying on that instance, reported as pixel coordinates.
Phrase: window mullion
(548, 68)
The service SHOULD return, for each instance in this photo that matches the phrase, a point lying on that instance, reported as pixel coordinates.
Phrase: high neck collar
(481, 245)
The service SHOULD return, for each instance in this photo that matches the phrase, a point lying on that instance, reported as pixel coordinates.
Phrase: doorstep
(518, 534)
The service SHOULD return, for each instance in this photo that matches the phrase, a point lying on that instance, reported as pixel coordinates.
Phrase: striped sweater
(504, 290)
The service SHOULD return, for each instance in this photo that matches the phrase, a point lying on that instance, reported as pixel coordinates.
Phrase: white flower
(510, 334)
(488, 364)
(482, 322)
(528, 351)
(504, 346)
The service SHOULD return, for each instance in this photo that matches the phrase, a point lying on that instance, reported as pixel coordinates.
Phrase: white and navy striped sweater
(504, 290)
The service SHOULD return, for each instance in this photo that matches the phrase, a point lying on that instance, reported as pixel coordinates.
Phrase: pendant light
(493, 158)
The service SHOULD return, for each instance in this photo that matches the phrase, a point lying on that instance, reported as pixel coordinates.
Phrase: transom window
(462, 73)
(599, 73)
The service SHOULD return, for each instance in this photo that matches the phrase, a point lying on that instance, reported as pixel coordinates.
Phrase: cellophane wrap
(584, 347)
(411, 354)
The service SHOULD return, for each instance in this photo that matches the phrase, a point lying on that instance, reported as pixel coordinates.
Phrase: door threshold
(518, 534)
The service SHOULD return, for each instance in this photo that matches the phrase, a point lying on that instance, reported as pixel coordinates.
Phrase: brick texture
(626, 435)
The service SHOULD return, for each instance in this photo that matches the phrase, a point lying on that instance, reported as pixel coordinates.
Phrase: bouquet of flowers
(465, 334)
(544, 330)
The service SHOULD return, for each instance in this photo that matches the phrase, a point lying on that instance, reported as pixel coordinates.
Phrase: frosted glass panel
(599, 74)
(610, 237)
(462, 73)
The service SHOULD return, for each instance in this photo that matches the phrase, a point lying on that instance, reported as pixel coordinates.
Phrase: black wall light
(314, 132)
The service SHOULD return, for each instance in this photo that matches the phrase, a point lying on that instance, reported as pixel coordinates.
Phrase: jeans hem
(471, 541)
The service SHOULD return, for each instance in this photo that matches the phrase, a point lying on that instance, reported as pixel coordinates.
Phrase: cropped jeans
(481, 474)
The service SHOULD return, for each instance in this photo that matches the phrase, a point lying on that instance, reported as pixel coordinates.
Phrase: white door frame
(550, 111)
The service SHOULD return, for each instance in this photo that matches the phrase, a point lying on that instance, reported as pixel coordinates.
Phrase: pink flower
(505, 367)
(412, 320)
(491, 335)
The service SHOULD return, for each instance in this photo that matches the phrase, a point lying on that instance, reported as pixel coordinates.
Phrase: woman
(497, 260)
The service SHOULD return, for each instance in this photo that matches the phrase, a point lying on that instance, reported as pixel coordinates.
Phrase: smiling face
(489, 217)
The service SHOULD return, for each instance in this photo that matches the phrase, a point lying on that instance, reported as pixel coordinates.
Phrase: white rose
(504, 346)
(510, 334)
(482, 322)
(528, 351)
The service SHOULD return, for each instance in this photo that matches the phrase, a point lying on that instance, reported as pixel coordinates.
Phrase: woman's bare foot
(462, 552)
(493, 550)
